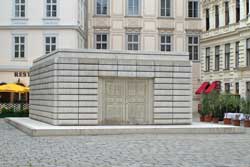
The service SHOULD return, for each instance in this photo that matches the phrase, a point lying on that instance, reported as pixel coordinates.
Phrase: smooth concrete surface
(36, 128)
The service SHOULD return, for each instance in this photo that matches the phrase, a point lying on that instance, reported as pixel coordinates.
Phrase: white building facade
(147, 25)
(32, 28)
(225, 45)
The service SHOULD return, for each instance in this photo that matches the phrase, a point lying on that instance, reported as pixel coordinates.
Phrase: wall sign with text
(21, 74)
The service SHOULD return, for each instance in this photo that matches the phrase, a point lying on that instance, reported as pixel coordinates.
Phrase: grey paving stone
(175, 150)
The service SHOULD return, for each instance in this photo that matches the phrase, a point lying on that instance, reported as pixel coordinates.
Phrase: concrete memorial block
(90, 87)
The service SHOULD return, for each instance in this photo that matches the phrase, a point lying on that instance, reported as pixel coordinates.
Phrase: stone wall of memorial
(65, 84)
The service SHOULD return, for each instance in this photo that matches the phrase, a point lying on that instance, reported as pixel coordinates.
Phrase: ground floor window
(101, 41)
(248, 89)
(237, 90)
(227, 87)
(133, 42)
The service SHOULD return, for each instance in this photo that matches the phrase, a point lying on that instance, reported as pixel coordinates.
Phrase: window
(248, 52)
(237, 54)
(133, 41)
(19, 8)
(133, 7)
(101, 7)
(248, 89)
(51, 8)
(19, 46)
(237, 11)
(227, 56)
(227, 87)
(50, 44)
(226, 13)
(207, 59)
(101, 41)
(247, 7)
(237, 88)
(207, 20)
(165, 7)
(217, 17)
(166, 43)
(193, 47)
(193, 8)
(217, 58)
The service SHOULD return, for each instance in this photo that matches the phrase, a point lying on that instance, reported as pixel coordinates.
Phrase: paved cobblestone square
(18, 149)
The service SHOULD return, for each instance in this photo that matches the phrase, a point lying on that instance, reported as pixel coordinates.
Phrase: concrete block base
(36, 128)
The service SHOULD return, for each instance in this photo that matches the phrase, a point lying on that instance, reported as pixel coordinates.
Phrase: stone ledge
(36, 128)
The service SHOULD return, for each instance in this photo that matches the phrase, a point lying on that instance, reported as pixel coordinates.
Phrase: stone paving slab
(37, 128)
(133, 150)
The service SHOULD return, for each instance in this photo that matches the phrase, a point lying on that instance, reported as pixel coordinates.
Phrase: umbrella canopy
(14, 88)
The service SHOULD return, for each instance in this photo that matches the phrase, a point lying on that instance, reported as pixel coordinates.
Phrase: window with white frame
(101, 41)
(248, 52)
(133, 41)
(165, 7)
(237, 54)
(19, 8)
(50, 44)
(193, 47)
(227, 56)
(207, 59)
(237, 11)
(166, 42)
(217, 16)
(133, 7)
(51, 8)
(193, 8)
(226, 13)
(101, 7)
(217, 58)
(19, 46)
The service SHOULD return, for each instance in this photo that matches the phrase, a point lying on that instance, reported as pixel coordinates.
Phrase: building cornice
(13, 68)
(225, 34)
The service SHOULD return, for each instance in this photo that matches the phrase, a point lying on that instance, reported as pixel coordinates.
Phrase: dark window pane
(162, 48)
(168, 48)
(53, 39)
(16, 54)
(22, 39)
(104, 46)
(47, 39)
(22, 54)
(129, 46)
(195, 40)
(135, 46)
(129, 38)
(135, 38)
(47, 48)
(53, 47)
(98, 46)
(98, 37)
(190, 40)
(104, 38)
(16, 40)
(162, 39)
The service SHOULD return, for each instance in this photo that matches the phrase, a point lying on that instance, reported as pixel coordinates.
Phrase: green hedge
(13, 113)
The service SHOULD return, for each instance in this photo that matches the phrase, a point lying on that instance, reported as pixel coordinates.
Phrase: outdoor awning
(202, 88)
(15, 88)
(211, 87)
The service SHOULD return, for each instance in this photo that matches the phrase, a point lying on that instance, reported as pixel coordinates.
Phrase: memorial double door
(126, 102)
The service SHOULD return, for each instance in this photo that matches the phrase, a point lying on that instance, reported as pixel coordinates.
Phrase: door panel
(114, 104)
(126, 101)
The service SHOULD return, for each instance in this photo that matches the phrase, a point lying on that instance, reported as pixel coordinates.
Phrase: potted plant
(205, 111)
(245, 108)
(224, 100)
(236, 120)
(214, 104)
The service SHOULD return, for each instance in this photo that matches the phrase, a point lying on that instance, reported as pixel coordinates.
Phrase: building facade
(147, 25)
(225, 45)
(32, 28)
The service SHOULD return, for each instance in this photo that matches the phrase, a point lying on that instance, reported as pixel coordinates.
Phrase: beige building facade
(148, 25)
(225, 45)
(32, 28)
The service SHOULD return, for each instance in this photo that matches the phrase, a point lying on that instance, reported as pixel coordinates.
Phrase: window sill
(193, 18)
(51, 18)
(19, 59)
(136, 16)
(20, 18)
(96, 15)
(166, 17)
(226, 70)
